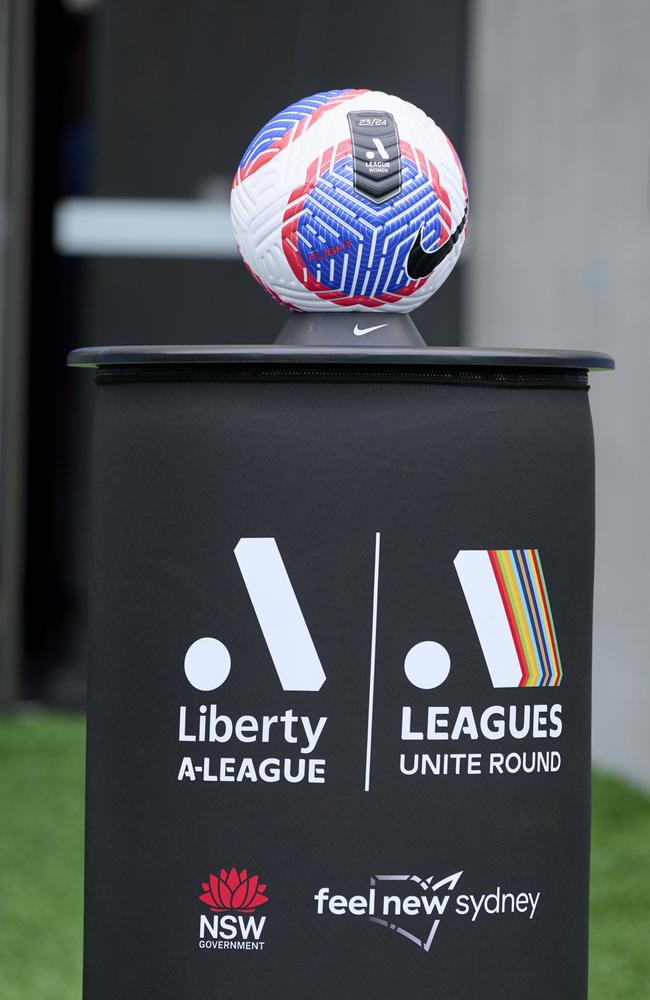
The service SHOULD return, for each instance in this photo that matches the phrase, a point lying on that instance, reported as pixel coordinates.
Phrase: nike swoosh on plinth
(421, 263)
(368, 329)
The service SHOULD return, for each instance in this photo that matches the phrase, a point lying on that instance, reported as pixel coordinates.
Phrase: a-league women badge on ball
(350, 199)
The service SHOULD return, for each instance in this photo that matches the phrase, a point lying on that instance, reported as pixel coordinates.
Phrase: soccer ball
(350, 200)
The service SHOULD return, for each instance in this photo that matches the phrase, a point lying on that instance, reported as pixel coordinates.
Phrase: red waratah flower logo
(233, 890)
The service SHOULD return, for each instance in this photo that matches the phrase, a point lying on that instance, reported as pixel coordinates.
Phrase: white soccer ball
(350, 200)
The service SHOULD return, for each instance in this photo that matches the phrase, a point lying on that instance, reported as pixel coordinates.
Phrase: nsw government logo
(233, 898)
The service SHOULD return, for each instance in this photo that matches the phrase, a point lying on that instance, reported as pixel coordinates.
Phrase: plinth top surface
(265, 354)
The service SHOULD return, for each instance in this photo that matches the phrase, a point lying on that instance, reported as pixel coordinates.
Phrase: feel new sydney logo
(414, 906)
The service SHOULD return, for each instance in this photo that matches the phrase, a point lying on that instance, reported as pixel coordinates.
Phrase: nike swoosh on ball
(421, 262)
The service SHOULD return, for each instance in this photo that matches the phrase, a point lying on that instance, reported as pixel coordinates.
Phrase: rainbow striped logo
(508, 600)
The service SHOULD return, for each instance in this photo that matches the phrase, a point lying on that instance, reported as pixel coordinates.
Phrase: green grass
(620, 892)
(41, 837)
(41, 856)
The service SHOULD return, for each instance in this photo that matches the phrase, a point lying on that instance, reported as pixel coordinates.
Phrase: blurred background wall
(140, 112)
(559, 136)
(16, 104)
(121, 124)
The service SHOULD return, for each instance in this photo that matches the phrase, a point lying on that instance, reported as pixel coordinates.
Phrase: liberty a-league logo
(506, 595)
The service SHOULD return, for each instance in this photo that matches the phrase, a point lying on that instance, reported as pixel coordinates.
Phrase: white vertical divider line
(373, 651)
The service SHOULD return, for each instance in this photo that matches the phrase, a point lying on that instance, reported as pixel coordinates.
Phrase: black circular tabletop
(93, 357)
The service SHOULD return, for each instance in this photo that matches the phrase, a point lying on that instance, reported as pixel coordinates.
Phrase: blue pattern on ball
(283, 122)
(338, 231)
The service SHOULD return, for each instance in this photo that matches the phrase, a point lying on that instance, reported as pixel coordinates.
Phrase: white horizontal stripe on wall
(126, 227)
